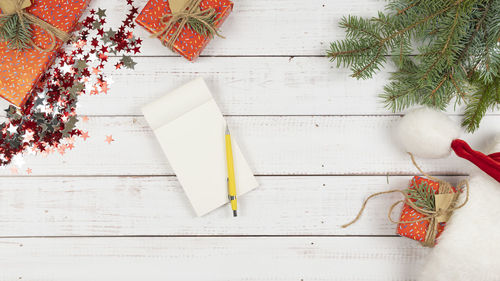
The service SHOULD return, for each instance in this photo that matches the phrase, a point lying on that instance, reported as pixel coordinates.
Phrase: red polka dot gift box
(418, 230)
(189, 43)
(20, 70)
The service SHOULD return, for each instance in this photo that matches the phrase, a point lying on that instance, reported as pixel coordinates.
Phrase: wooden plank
(244, 86)
(104, 206)
(293, 145)
(238, 258)
(247, 86)
(298, 27)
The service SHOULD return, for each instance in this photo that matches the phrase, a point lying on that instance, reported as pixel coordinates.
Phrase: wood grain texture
(278, 145)
(263, 27)
(248, 86)
(321, 139)
(89, 206)
(232, 259)
(244, 86)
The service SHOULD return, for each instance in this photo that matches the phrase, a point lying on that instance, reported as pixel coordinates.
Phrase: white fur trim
(469, 248)
(427, 133)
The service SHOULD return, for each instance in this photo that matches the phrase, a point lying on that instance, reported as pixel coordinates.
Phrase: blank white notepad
(190, 129)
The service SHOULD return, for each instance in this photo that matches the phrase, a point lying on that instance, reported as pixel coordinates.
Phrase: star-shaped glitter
(29, 171)
(47, 122)
(81, 64)
(104, 87)
(66, 68)
(85, 135)
(109, 139)
(12, 129)
(101, 12)
(61, 149)
(28, 136)
(128, 62)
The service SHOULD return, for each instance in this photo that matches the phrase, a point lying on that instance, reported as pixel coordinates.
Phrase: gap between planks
(257, 175)
(198, 236)
(272, 145)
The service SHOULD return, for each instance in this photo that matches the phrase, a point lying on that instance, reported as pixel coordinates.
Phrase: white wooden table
(318, 141)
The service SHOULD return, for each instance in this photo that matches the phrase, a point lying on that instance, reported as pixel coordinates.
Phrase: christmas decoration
(471, 237)
(47, 120)
(20, 70)
(185, 26)
(428, 204)
(16, 26)
(458, 53)
(428, 197)
(468, 249)
(428, 133)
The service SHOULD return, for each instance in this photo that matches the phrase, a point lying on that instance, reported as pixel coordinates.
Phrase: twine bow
(440, 213)
(16, 8)
(190, 15)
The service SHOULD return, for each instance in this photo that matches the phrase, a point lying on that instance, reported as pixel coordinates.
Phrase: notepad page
(193, 142)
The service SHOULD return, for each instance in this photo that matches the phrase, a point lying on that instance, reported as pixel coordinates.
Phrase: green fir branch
(487, 97)
(204, 26)
(423, 195)
(17, 34)
(458, 55)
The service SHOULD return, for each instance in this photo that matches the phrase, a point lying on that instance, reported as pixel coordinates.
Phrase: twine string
(189, 11)
(429, 214)
(27, 18)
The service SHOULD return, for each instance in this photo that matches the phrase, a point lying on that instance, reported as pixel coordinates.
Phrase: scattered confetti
(109, 139)
(85, 135)
(29, 171)
(47, 121)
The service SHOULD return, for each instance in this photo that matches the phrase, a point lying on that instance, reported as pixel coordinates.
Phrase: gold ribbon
(190, 10)
(16, 7)
(445, 202)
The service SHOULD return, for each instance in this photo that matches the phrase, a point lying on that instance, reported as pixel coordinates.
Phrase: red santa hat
(490, 164)
(429, 133)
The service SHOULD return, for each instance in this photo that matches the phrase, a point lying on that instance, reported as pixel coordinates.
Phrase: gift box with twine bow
(30, 33)
(428, 204)
(425, 194)
(185, 26)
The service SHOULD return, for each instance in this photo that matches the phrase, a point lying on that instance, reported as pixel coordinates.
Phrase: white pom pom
(427, 133)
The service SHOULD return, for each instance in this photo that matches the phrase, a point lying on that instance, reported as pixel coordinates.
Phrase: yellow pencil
(231, 181)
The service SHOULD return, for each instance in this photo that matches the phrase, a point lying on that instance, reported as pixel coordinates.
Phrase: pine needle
(200, 26)
(457, 58)
(16, 34)
(423, 195)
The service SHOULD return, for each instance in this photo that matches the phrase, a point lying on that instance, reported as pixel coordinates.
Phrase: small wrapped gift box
(189, 44)
(21, 69)
(418, 230)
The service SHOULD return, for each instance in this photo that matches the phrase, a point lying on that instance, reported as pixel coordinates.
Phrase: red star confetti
(29, 171)
(109, 139)
(47, 121)
(61, 149)
(85, 135)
